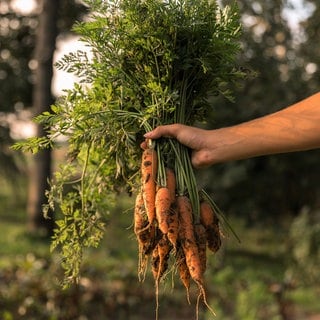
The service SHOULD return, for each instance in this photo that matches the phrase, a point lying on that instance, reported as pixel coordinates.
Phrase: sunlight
(24, 7)
(297, 11)
(63, 80)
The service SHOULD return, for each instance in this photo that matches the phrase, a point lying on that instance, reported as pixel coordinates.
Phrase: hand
(194, 138)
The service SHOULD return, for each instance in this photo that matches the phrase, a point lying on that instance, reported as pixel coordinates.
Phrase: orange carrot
(155, 262)
(146, 234)
(139, 212)
(214, 239)
(155, 268)
(171, 183)
(159, 264)
(142, 234)
(187, 238)
(148, 181)
(211, 223)
(164, 248)
(160, 256)
(207, 216)
(141, 223)
(162, 205)
(184, 273)
(190, 248)
(173, 225)
(201, 237)
(153, 235)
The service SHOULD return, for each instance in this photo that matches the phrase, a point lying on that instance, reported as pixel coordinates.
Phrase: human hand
(194, 138)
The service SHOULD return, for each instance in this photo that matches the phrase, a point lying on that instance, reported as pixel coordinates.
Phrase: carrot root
(173, 226)
(148, 181)
(162, 206)
(164, 222)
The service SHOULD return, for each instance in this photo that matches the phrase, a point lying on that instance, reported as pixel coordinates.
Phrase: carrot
(214, 239)
(201, 237)
(211, 223)
(165, 198)
(164, 248)
(142, 234)
(207, 216)
(146, 234)
(187, 238)
(155, 259)
(154, 237)
(160, 256)
(140, 218)
(184, 273)
(159, 264)
(148, 180)
(171, 183)
(173, 225)
(190, 248)
(162, 206)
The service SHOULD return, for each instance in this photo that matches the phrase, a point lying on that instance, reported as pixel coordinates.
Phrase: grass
(307, 297)
(245, 281)
(14, 241)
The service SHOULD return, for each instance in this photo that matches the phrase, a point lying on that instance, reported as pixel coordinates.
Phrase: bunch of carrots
(166, 226)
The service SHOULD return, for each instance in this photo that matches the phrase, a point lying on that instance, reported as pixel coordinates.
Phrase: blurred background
(273, 203)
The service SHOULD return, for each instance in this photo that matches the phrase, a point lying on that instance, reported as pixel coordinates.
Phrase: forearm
(295, 128)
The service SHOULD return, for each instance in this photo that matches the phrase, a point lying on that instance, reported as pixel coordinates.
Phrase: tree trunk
(40, 168)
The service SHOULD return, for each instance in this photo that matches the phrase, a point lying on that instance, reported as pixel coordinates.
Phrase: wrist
(228, 144)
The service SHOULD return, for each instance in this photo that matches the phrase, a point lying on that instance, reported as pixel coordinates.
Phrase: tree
(17, 36)
(17, 44)
(40, 169)
(21, 69)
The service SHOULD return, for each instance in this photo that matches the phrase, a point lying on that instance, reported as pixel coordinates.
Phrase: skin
(295, 128)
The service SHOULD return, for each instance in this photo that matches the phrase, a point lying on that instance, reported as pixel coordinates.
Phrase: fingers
(158, 132)
(168, 131)
(193, 138)
(188, 136)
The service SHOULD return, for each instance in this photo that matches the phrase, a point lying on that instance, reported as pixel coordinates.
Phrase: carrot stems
(220, 213)
(186, 181)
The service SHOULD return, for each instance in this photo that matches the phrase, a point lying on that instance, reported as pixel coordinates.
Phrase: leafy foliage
(304, 245)
(140, 75)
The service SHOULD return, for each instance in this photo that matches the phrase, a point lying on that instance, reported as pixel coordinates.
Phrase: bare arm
(294, 128)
